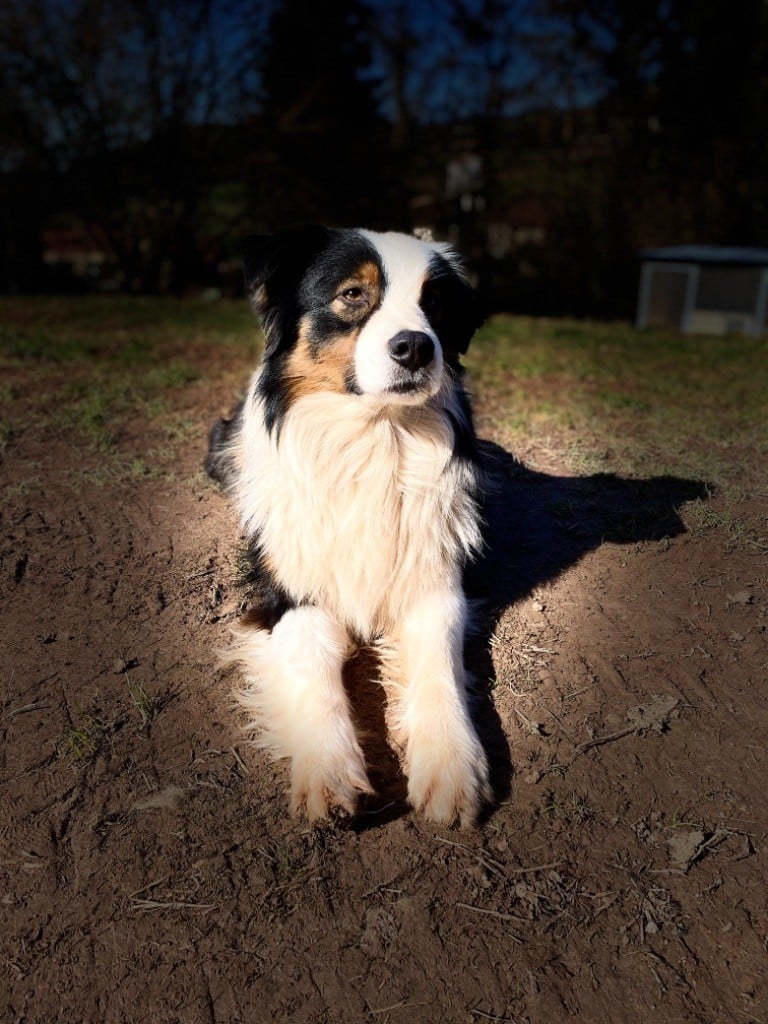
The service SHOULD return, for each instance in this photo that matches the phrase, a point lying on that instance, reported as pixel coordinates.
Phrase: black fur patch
(452, 307)
(267, 600)
(464, 437)
(218, 461)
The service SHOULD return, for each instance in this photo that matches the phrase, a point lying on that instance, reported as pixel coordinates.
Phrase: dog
(354, 467)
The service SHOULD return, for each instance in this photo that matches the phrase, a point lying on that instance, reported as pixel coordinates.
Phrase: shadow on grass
(537, 527)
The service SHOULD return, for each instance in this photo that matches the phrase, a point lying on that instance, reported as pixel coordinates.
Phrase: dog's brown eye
(353, 295)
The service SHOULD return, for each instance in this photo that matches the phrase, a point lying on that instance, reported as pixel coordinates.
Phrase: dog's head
(360, 313)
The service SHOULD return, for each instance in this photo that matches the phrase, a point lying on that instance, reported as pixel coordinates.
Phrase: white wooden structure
(704, 289)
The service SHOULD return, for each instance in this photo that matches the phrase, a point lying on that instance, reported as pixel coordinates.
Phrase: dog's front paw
(448, 780)
(326, 780)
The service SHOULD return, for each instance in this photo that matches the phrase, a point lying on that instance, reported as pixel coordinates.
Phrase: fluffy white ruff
(361, 511)
(358, 506)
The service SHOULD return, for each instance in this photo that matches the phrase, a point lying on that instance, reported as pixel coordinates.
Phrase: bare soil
(151, 873)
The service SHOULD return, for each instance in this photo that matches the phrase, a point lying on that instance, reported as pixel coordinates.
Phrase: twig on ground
(482, 858)
(172, 905)
(497, 914)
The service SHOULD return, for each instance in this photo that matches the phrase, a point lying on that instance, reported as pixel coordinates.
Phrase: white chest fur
(358, 508)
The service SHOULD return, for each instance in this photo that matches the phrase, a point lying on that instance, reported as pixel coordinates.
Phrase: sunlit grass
(602, 396)
(613, 398)
(122, 329)
(91, 370)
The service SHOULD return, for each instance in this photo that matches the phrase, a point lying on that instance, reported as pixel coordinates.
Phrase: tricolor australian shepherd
(353, 464)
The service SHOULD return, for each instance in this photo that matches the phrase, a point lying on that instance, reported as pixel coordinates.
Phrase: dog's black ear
(256, 259)
(453, 307)
(274, 264)
(468, 315)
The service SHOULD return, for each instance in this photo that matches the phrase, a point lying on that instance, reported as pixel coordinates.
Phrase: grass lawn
(630, 402)
(602, 396)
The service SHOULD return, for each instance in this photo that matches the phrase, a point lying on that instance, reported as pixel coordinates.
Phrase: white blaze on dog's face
(398, 353)
(357, 312)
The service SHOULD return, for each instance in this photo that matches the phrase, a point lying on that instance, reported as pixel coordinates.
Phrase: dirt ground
(150, 870)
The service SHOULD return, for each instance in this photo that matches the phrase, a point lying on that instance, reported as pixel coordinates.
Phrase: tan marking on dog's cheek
(370, 275)
(328, 370)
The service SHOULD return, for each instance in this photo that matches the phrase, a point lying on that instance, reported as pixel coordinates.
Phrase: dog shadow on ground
(538, 526)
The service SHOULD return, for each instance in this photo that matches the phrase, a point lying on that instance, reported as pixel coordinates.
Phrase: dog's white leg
(446, 764)
(296, 699)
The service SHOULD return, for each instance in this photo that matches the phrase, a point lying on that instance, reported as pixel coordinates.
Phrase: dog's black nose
(412, 349)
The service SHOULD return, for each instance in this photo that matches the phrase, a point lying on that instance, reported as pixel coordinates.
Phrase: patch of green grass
(112, 468)
(102, 475)
(178, 428)
(66, 329)
(701, 516)
(143, 703)
(633, 401)
(168, 375)
(7, 433)
(139, 468)
(84, 740)
(12, 492)
(104, 365)
(91, 413)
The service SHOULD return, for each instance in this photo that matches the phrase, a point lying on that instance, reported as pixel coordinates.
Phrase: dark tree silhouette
(325, 135)
(682, 92)
(114, 103)
(173, 128)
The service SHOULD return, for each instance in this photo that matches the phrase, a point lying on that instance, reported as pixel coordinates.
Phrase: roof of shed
(740, 256)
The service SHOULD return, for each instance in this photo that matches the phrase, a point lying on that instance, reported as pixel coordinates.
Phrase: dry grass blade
(497, 914)
(653, 716)
(599, 741)
(481, 858)
(536, 868)
(147, 905)
(27, 708)
(394, 1006)
(240, 763)
(490, 1016)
